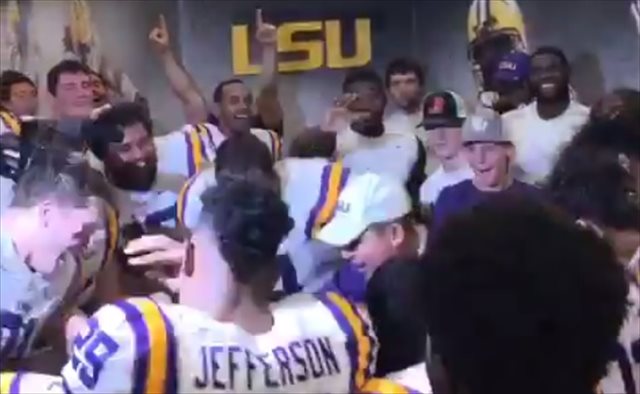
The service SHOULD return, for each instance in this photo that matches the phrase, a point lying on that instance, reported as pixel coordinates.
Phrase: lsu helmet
(494, 27)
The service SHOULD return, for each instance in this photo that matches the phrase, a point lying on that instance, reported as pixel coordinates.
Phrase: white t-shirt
(391, 154)
(538, 141)
(440, 179)
(401, 122)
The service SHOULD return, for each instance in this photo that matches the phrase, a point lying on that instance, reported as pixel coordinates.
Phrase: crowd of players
(430, 249)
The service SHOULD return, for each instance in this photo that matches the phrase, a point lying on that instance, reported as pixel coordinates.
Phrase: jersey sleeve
(332, 180)
(189, 200)
(386, 386)
(186, 151)
(127, 347)
(9, 123)
(28, 382)
(361, 343)
(271, 140)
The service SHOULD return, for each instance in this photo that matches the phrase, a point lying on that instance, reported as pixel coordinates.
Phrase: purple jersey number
(90, 351)
(16, 335)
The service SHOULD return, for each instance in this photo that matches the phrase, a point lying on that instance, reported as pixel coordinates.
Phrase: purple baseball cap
(514, 67)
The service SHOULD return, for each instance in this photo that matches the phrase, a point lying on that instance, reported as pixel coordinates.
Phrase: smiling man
(542, 128)
(490, 154)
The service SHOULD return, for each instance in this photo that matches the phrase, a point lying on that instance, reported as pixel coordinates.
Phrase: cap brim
(340, 231)
(435, 123)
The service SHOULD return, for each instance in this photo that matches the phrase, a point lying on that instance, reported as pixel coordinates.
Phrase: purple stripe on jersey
(366, 329)
(65, 386)
(171, 382)
(322, 198)
(343, 181)
(351, 345)
(203, 150)
(142, 344)
(15, 385)
(191, 162)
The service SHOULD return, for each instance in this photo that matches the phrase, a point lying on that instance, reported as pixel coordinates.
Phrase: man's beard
(368, 127)
(132, 177)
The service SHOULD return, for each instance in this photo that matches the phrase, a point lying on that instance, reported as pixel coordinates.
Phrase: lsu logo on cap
(479, 123)
(437, 107)
(507, 65)
(343, 206)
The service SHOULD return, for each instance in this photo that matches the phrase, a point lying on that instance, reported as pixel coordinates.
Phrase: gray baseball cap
(484, 125)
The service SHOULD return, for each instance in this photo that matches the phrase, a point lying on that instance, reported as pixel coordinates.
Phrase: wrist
(165, 53)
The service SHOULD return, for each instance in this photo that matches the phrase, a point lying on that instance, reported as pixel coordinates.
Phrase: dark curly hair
(250, 221)
(520, 299)
(362, 75)
(590, 180)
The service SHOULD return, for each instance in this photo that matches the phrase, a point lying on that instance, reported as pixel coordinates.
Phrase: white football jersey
(317, 344)
(189, 205)
(310, 188)
(213, 137)
(188, 150)
(28, 298)
(29, 382)
(623, 374)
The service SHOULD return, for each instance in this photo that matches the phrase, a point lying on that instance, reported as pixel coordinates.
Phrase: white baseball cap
(366, 199)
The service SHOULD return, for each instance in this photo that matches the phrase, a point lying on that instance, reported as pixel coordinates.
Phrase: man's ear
(398, 234)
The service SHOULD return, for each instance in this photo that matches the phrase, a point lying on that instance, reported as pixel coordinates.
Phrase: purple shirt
(464, 195)
(348, 282)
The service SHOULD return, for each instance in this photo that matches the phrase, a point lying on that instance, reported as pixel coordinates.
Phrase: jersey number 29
(90, 351)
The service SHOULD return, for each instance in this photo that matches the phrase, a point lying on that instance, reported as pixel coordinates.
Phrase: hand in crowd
(161, 254)
(338, 115)
(266, 33)
(159, 36)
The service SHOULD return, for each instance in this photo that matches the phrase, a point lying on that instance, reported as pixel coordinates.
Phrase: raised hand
(339, 116)
(159, 36)
(266, 33)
